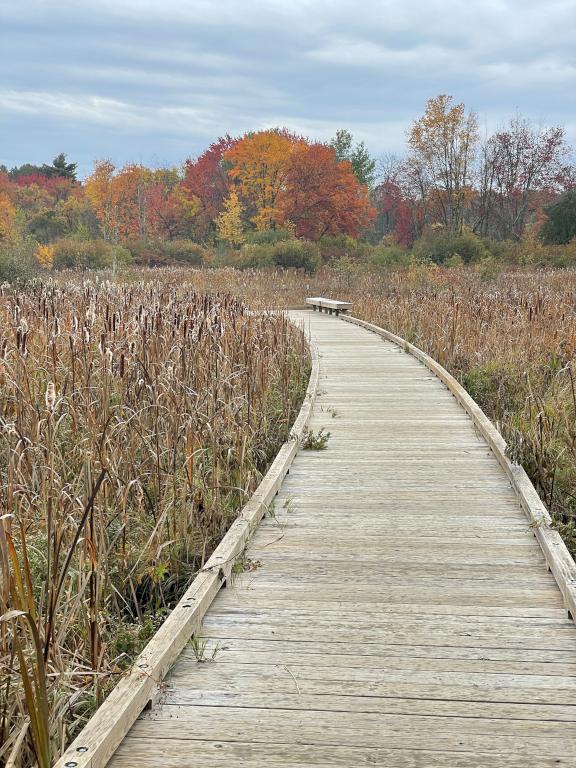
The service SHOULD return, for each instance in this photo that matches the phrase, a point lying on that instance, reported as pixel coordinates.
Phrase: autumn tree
(103, 198)
(136, 202)
(44, 255)
(229, 221)
(258, 164)
(442, 149)
(321, 195)
(363, 165)
(7, 216)
(518, 162)
(206, 182)
(174, 211)
(396, 215)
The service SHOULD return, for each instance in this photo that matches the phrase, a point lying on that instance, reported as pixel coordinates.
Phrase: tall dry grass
(135, 420)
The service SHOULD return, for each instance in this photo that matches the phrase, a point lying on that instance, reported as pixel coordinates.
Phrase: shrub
(157, 253)
(334, 247)
(270, 236)
(254, 256)
(347, 267)
(184, 250)
(70, 253)
(387, 255)
(150, 253)
(16, 260)
(293, 253)
(504, 250)
(488, 268)
(439, 243)
(531, 251)
(300, 254)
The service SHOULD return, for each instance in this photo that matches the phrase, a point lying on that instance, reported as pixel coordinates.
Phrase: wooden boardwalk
(395, 608)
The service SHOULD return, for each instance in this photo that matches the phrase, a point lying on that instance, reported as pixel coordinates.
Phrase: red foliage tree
(322, 195)
(396, 214)
(206, 179)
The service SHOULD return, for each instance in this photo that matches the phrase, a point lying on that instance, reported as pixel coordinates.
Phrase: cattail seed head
(50, 396)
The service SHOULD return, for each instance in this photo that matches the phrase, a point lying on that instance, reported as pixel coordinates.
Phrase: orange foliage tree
(102, 196)
(259, 164)
(322, 195)
(44, 255)
(138, 203)
(7, 216)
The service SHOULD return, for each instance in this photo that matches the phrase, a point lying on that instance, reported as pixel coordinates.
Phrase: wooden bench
(329, 305)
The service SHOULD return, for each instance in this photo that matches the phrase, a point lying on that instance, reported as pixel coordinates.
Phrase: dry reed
(135, 420)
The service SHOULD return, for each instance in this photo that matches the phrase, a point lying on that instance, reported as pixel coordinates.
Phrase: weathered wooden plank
(401, 613)
(282, 681)
(480, 717)
(345, 729)
(227, 655)
(180, 753)
(561, 656)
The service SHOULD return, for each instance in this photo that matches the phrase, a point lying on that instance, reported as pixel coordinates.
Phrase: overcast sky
(155, 81)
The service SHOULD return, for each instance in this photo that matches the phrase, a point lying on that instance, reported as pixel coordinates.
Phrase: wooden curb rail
(558, 558)
(99, 739)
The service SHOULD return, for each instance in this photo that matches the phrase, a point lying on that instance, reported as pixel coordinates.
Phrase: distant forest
(272, 197)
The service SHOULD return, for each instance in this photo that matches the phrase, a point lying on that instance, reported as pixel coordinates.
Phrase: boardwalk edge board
(558, 558)
(98, 740)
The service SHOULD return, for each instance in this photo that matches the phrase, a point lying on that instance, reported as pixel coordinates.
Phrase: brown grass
(135, 420)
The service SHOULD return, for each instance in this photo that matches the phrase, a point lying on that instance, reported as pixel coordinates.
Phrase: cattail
(50, 396)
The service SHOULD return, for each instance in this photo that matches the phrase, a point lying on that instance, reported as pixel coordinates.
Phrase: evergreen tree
(363, 165)
(60, 167)
(560, 227)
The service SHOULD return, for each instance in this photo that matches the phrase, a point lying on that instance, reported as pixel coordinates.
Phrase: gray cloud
(152, 82)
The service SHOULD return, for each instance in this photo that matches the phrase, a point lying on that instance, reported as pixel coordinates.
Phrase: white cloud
(181, 72)
(97, 110)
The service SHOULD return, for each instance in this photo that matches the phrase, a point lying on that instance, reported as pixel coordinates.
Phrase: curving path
(395, 608)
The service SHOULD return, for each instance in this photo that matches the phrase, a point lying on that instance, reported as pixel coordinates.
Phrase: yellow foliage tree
(100, 192)
(7, 216)
(442, 148)
(44, 256)
(229, 222)
(259, 164)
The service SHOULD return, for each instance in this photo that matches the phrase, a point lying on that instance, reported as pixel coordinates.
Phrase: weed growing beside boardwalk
(136, 419)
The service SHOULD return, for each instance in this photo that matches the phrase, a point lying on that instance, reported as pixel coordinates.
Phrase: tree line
(519, 181)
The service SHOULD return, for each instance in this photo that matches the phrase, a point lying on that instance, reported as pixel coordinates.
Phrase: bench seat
(328, 305)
